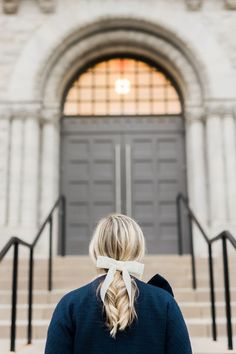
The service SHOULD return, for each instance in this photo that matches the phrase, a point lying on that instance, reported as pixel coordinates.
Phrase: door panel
(88, 181)
(157, 165)
(143, 185)
(133, 166)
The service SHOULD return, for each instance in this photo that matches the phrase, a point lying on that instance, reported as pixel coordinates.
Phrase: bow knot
(125, 267)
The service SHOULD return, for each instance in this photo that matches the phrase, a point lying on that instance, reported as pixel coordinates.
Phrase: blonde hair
(119, 237)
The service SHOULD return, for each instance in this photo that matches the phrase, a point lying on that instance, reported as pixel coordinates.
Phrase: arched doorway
(122, 150)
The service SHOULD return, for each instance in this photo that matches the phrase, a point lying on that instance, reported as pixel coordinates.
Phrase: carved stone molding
(220, 108)
(47, 6)
(5, 112)
(52, 114)
(193, 114)
(194, 4)
(230, 4)
(26, 111)
(129, 40)
(10, 6)
(233, 111)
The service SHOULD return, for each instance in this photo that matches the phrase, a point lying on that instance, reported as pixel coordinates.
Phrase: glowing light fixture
(122, 86)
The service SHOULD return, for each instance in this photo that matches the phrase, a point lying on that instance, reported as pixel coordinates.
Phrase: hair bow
(133, 267)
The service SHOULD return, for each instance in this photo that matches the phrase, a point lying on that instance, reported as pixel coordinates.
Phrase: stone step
(64, 269)
(199, 327)
(200, 346)
(156, 261)
(70, 281)
(203, 345)
(44, 310)
(181, 295)
(171, 268)
(79, 270)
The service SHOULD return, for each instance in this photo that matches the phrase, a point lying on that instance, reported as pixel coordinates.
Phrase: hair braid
(119, 237)
(119, 314)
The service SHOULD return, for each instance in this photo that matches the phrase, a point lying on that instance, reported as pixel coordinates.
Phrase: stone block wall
(39, 41)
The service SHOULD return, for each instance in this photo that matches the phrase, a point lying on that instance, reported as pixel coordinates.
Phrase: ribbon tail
(108, 280)
(127, 281)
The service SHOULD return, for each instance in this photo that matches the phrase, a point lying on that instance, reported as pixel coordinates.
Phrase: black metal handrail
(15, 242)
(224, 236)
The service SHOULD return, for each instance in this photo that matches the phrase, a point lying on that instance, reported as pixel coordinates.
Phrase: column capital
(220, 108)
(25, 111)
(21, 111)
(193, 114)
(5, 112)
(51, 114)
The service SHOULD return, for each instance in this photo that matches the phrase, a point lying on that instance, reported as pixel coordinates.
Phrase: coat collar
(159, 281)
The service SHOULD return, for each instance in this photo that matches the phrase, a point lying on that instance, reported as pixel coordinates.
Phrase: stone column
(15, 171)
(196, 171)
(49, 163)
(31, 180)
(197, 183)
(49, 190)
(24, 166)
(229, 141)
(216, 169)
(4, 163)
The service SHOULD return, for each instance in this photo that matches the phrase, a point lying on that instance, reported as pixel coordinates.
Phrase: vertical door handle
(117, 178)
(128, 179)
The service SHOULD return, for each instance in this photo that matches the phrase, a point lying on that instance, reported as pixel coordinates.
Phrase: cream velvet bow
(136, 268)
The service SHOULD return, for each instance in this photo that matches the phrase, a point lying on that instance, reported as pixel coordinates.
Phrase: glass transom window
(122, 86)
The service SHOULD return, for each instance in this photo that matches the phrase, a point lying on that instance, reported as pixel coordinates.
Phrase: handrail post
(62, 212)
(212, 292)
(50, 256)
(227, 293)
(30, 294)
(14, 296)
(15, 242)
(193, 263)
(179, 225)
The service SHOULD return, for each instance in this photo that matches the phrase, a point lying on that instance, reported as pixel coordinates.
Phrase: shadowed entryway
(122, 150)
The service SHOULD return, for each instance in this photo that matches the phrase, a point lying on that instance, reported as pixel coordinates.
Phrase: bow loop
(126, 267)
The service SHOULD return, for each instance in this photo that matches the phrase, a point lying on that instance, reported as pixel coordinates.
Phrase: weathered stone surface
(47, 6)
(194, 4)
(230, 4)
(10, 6)
(44, 42)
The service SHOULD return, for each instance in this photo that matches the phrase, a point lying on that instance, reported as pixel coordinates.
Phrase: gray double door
(130, 166)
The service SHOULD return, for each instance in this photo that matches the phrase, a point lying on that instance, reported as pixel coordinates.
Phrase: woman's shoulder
(157, 287)
(158, 290)
(77, 295)
(158, 294)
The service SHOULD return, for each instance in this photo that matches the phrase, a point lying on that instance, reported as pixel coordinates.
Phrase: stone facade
(42, 45)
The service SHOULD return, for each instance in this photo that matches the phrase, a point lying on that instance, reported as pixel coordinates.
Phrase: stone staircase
(72, 272)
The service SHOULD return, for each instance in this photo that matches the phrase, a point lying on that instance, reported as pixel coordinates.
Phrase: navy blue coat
(78, 325)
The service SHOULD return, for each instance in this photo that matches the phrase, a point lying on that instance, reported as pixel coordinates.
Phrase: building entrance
(125, 163)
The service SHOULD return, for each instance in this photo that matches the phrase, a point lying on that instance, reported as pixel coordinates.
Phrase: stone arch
(142, 39)
(120, 36)
(47, 76)
(50, 75)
